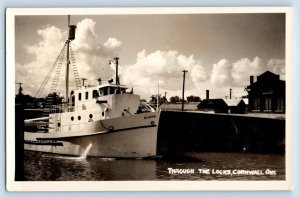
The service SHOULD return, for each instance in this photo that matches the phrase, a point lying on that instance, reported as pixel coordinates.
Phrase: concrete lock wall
(185, 131)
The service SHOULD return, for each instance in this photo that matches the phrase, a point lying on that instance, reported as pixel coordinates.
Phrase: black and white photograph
(149, 98)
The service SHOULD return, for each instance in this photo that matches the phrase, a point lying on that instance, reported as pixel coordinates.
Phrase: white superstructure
(106, 116)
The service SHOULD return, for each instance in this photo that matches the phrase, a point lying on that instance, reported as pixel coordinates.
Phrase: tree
(175, 99)
(193, 98)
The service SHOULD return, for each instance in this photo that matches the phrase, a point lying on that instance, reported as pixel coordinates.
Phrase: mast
(70, 38)
(116, 62)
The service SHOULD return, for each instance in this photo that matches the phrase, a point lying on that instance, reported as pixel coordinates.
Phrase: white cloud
(244, 68)
(165, 67)
(91, 56)
(112, 43)
(222, 73)
(277, 66)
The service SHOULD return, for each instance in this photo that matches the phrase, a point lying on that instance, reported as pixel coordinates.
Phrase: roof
(88, 88)
(232, 102)
(246, 100)
(212, 103)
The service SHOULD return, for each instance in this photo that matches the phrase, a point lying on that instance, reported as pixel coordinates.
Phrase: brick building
(267, 94)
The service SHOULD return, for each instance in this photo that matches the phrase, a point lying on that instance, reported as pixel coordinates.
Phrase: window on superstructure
(87, 95)
(95, 94)
(101, 92)
(112, 90)
(73, 99)
(105, 91)
(79, 96)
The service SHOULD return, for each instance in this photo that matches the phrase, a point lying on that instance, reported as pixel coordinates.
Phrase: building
(235, 105)
(267, 94)
(219, 105)
(213, 105)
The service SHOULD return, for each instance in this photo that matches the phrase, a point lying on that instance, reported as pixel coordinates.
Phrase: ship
(103, 120)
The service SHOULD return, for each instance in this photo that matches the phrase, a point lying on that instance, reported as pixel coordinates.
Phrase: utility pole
(182, 107)
(230, 93)
(157, 99)
(20, 87)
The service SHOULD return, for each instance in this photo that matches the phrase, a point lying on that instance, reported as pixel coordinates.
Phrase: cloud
(44, 53)
(227, 74)
(112, 43)
(162, 66)
(222, 73)
(236, 75)
(244, 68)
(277, 66)
(91, 56)
(143, 75)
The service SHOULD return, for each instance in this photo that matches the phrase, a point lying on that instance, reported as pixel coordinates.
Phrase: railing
(65, 108)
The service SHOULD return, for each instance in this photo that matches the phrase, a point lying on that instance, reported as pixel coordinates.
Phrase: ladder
(75, 70)
(58, 70)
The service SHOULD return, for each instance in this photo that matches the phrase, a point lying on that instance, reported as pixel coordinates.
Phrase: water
(49, 167)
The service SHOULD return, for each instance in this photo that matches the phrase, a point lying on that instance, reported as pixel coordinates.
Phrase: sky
(219, 51)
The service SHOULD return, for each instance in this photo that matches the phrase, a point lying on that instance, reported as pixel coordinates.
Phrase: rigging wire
(41, 88)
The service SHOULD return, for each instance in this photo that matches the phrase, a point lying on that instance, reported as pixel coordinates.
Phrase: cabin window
(79, 96)
(95, 94)
(72, 118)
(87, 95)
(79, 117)
(112, 90)
(105, 91)
(73, 99)
(91, 116)
(101, 92)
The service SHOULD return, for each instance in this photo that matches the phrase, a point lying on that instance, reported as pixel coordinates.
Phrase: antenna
(83, 80)
(116, 62)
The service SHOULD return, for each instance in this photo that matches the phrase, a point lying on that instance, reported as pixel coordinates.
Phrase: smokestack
(251, 80)
(72, 29)
(207, 94)
(230, 93)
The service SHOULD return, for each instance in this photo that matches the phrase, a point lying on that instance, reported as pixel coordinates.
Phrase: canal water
(188, 166)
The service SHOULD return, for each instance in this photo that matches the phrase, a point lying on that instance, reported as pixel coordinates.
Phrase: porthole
(102, 113)
(72, 118)
(79, 117)
(91, 116)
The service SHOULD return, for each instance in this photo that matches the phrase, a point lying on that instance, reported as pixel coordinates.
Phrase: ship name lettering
(148, 117)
